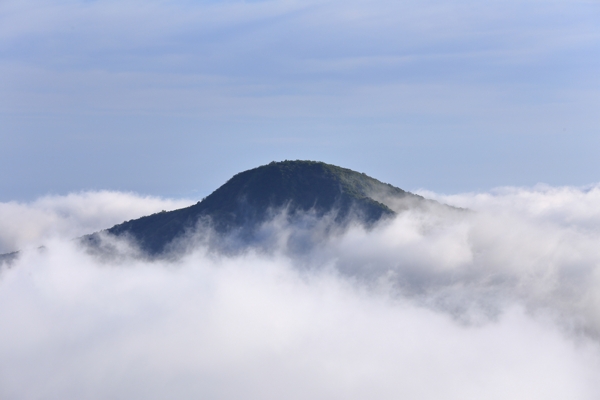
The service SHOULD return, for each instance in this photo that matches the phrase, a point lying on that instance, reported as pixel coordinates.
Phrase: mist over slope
(307, 194)
(25, 225)
(502, 302)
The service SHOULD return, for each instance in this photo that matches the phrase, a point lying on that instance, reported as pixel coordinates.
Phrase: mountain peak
(252, 197)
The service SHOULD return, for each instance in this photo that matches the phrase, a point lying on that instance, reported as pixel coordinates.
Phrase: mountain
(253, 197)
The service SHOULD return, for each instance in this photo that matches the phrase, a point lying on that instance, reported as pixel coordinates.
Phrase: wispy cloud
(290, 47)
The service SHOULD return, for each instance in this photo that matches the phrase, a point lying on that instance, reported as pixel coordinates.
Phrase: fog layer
(24, 225)
(497, 302)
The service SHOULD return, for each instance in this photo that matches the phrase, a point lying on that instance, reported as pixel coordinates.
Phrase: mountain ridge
(309, 194)
(254, 196)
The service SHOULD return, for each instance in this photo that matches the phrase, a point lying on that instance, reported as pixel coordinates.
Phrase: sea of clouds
(501, 301)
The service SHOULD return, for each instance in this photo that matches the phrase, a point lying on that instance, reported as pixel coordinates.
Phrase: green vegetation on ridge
(251, 197)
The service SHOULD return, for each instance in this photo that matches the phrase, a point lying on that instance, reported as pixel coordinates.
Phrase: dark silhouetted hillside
(252, 197)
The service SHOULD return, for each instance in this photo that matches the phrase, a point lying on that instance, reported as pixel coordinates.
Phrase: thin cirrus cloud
(279, 48)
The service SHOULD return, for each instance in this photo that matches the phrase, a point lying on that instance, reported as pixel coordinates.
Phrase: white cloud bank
(24, 225)
(499, 303)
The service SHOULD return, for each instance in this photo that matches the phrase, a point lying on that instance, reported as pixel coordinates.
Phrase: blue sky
(172, 98)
